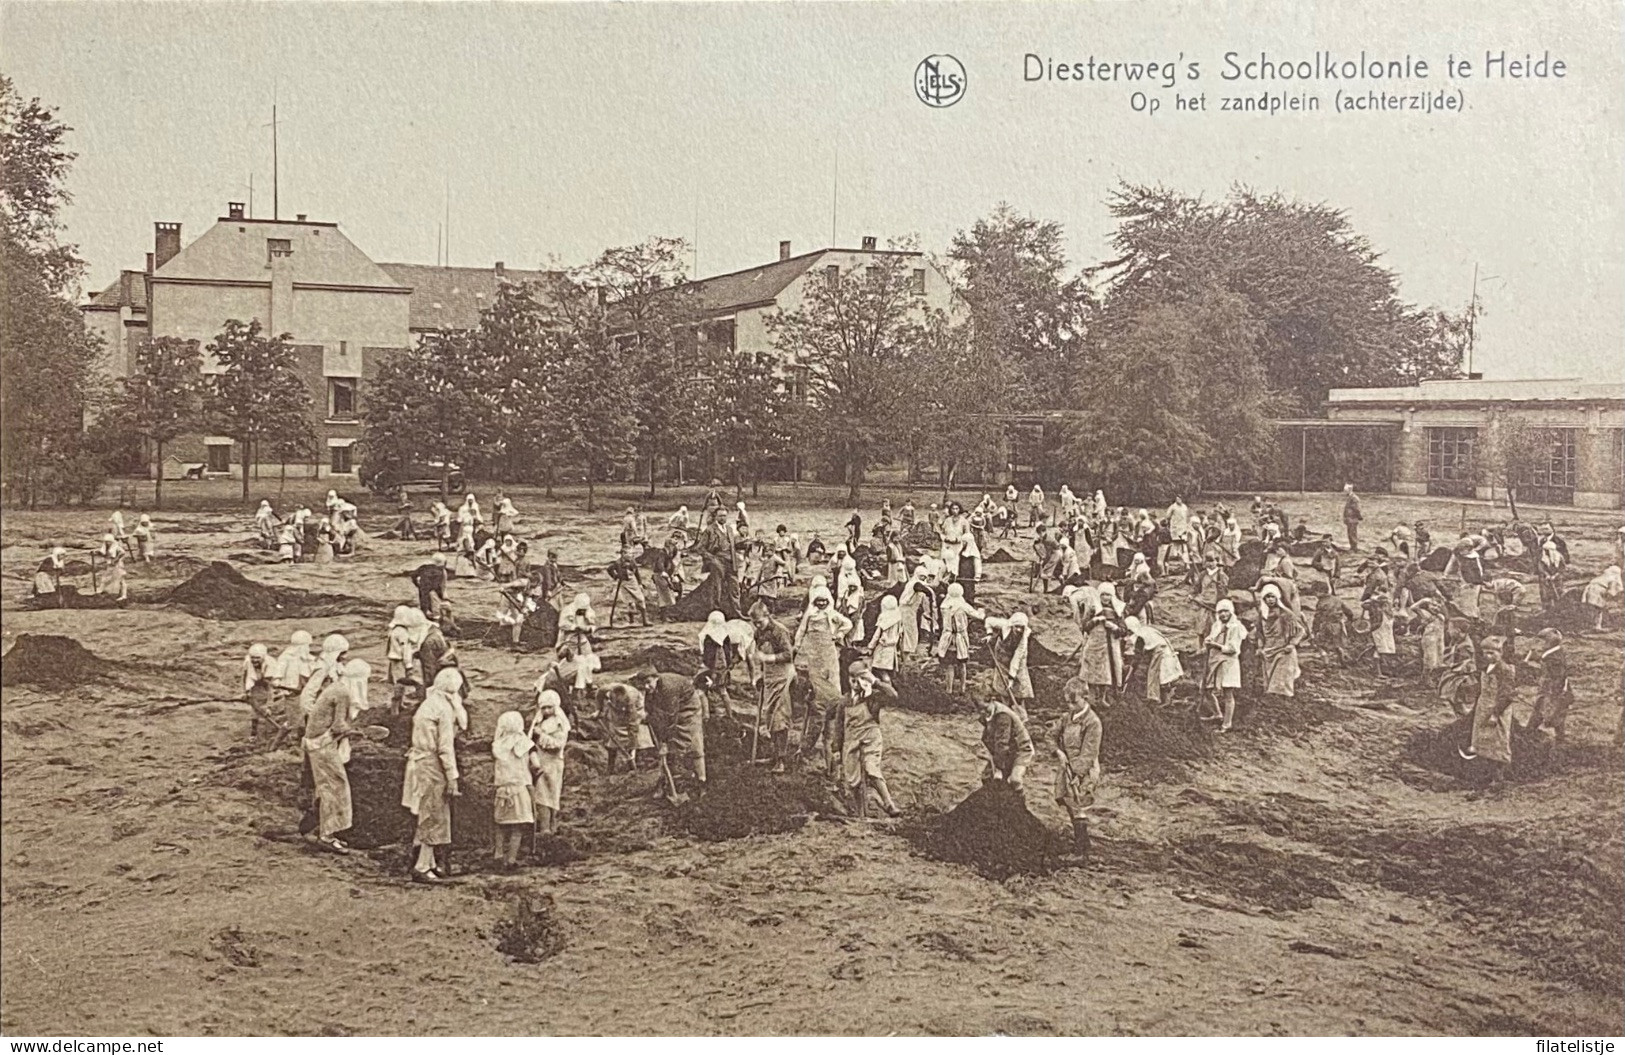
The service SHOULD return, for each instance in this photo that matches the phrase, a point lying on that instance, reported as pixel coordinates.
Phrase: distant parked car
(417, 476)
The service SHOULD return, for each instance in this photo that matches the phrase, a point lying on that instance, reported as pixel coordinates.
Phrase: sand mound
(741, 800)
(1002, 556)
(924, 693)
(49, 660)
(1041, 655)
(220, 591)
(994, 833)
(1135, 735)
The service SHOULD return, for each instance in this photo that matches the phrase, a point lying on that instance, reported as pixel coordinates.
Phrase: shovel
(673, 796)
(756, 730)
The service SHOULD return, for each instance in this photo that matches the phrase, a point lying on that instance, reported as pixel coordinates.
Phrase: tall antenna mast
(276, 205)
(834, 197)
(448, 219)
(1472, 320)
(250, 194)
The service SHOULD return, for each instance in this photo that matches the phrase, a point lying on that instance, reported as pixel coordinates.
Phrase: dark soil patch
(993, 832)
(71, 597)
(924, 693)
(662, 658)
(697, 604)
(1001, 556)
(1272, 880)
(50, 661)
(220, 591)
(1041, 655)
(1534, 754)
(1136, 736)
(533, 932)
(741, 800)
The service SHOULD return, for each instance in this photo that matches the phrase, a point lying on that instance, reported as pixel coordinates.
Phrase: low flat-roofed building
(1442, 435)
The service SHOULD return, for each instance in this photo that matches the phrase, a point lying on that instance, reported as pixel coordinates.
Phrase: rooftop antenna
(439, 234)
(448, 219)
(834, 196)
(695, 272)
(250, 194)
(276, 205)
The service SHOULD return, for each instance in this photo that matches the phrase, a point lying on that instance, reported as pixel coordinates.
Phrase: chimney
(234, 210)
(299, 217)
(166, 243)
(502, 271)
(149, 263)
(784, 250)
(868, 243)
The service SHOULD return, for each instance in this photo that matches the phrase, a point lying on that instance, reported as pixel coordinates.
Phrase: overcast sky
(566, 128)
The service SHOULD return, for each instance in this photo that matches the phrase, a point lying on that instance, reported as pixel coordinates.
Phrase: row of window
(339, 459)
(1452, 458)
(916, 278)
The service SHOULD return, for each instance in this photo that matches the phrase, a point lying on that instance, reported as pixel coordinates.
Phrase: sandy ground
(1309, 874)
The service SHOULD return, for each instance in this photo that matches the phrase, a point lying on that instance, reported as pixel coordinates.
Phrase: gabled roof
(235, 250)
(129, 290)
(763, 283)
(451, 298)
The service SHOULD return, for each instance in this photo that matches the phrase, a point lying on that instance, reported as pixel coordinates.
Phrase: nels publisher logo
(939, 80)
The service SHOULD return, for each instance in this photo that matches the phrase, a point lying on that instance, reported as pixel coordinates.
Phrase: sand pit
(220, 591)
(533, 932)
(994, 833)
(49, 661)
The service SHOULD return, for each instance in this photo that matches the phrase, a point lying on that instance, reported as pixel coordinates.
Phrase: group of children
(305, 537)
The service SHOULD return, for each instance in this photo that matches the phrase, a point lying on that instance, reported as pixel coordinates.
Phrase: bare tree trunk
(158, 481)
(547, 480)
(854, 485)
(242, 442)
(1512, 499)
(589, 489)
(651, 475)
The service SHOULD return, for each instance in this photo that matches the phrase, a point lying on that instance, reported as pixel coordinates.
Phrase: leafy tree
(662, 361)
(959, 387)
(257, 394)
(855, 337)
(592, 410)
(1327, 313)
(748, 410)
(1027, 312)
(162, 398)
(1175, 402)
(425, 405)
(50, 362)
(1517, 451)
(512, 367)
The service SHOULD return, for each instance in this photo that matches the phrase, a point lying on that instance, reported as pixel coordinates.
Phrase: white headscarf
(510, 740)
(890, 614)
(550, 728)
(1108, 598)
(355, 675)
(716, 628)
(955, 600)
(265, 671)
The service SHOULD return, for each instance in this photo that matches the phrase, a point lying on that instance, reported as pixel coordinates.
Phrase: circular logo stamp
(939, 80)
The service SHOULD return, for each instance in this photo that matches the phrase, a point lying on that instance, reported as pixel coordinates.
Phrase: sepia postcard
(878, 519)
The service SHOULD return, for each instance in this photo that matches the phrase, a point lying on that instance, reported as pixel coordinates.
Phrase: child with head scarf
(512, 812)
(549, 733)
(1553, 694)
(401, 651)
(431, 779)
(1223, 677)
(849, 597)
(1280, 632)
(326, 748)
(1101, 664)
(48, 578)
(888, 633)
(1009, 640)
(266, 525)
(259, 688)
(1162, 668)
(113, 583)
(144, 539)
(819, 639)
(1602, 593)
(916, 601)
(953, 645)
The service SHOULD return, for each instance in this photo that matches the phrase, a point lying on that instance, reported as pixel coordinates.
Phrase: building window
(339, 459)
(1553, 479)
(1452, 465)
(278, 247)
(341, 398)
(219, 457)
(832, 274)
(795, 383)
(916, 283)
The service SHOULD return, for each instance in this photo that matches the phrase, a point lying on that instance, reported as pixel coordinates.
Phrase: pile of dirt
(1136, 735)
(697, 604)
(1001, 556)
(50, 661)
(741, 800)
(533, 932)
(924, 693)
(994, 833)
(1041, 655)
(663, 658)
(220, 591)
(1534, 755)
